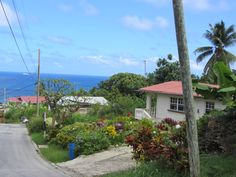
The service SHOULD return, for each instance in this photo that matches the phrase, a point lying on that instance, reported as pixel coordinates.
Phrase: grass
(55, 154)
(81, 118)
(38, 138)
(218, 166)
(151, 169)
(211, 166)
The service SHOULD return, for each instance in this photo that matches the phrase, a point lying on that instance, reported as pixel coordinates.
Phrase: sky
(103, 37)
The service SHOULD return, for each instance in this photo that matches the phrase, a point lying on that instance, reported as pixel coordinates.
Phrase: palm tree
(220, 37)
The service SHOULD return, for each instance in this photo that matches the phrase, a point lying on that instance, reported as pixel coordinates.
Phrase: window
(176, 104)
(209, 106)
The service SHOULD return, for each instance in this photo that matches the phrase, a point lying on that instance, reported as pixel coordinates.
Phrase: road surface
(18, 157)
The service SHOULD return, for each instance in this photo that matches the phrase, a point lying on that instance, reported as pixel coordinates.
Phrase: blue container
(72, 151)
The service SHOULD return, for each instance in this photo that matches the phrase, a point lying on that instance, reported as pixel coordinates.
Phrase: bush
(162, 142)
(69, 133)
(35, 125)
(217, 132)
(80, 118)
(91, 142)
(120, 106)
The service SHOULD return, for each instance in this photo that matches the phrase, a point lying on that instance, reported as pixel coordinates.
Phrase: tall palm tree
(220, 37)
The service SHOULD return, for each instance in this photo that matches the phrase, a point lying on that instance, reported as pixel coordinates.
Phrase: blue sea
(22, 84)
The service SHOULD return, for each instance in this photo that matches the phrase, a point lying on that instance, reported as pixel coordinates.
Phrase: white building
(165, 100)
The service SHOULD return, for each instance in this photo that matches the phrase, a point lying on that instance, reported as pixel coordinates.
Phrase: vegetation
(212, 165)
(38, 138)
(55, 154)
(166, 70)
(150, 169)
(54, 90)
(220, 37)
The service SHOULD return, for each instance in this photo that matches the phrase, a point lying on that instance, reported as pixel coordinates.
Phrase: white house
(165, 100)
(82, 100)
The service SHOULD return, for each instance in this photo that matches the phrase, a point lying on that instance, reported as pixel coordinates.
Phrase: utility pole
(145, 68)
(4, 98)
(192, 136)
(38, 83)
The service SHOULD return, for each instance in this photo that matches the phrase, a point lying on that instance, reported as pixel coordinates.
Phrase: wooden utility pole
(38, 83)
(145, 68)
(192, 135)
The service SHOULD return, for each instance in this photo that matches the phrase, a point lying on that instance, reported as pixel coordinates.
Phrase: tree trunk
(192, 135)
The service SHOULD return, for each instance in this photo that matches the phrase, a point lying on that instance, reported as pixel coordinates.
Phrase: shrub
(91, 142)
(35, 125)
(162, 142)
(217, 132)
(69, 133)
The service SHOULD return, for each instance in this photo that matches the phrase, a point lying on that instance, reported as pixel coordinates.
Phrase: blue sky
(104, 37)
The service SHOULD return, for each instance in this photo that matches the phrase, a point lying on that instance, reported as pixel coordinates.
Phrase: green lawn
(38, 138)
(55, 154)
(211, 166)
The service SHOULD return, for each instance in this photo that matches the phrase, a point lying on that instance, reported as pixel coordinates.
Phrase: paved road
(18, 157)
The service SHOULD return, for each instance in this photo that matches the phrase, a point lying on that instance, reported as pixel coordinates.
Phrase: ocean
(22, 84)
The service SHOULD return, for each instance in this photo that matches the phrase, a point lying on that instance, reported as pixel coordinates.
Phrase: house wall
(163, 107)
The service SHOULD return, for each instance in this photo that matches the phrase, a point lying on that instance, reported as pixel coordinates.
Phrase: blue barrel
(72, 151)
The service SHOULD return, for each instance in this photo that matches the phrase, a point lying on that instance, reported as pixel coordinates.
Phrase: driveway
(18, 157)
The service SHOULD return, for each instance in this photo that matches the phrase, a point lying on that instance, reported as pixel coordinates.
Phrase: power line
(13, 35)
(17, 90)
(23, 35)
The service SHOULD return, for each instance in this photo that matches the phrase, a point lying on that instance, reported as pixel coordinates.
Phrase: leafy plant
(162, 142)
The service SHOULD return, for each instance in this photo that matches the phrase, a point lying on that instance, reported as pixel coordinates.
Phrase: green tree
(122, 84)
(220, 38)
(166, 71)
(54, 90)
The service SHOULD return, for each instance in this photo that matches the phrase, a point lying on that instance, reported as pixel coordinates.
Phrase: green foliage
(69, 133)
(80, 118)
(120, 106)
(55, 154)
(220, 37)
(122, 84)
(162, 142)
(15, 112)
(91, 142)
(148, 169)
(35, 125)
(38, 138)
(227, 81)
(217, 132)
(166, 71)
(218, 165)
(54, 90)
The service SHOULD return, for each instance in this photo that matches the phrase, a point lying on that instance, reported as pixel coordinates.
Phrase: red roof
(171, 87)
(26, 99)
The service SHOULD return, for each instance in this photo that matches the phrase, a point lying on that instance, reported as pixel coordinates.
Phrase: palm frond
(230, 40)
(229, 57)
(202, 49)
(209, 65)
(204, 55)
(229, 30)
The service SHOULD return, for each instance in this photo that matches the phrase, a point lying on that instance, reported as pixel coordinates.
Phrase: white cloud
(10, 14)
(58, 64)
(201, 5)
(128, 62)
(98, 59)
(196, 67)
(144, 24)
(204, 5)
(157, 2)
(59, 40)
(65, 7)
(162, 22)
(137, 23)
(88, 8)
